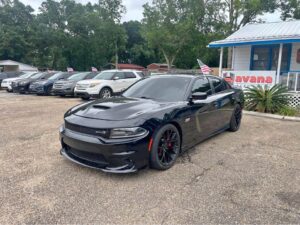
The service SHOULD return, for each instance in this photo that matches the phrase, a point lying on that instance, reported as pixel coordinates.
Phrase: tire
(165, 148)
(236, 118)
(105, 93)
(48, 91)
(62, 96)
(85, 98)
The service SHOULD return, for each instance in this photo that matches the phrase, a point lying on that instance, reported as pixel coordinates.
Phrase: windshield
(106, 75)
(58, 75)
(27, 75)
(38, 75)
(78, 76)
(160, 88)
(47, 75)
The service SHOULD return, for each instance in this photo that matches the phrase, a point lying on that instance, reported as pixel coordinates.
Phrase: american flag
(94, 69)
(204, 68)
(70, 69)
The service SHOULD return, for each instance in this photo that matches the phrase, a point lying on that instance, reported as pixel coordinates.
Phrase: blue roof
(262, 33)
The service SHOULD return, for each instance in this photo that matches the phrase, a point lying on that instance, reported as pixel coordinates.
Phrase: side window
(141, 74)
(121, 75)
(218, 84)
(129, 75)
(90, 76)
(202, 85)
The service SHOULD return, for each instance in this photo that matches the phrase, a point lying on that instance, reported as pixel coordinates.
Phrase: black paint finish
(196, 121)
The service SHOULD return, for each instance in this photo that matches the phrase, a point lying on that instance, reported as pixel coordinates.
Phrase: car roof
(125, 70)
(185, 75)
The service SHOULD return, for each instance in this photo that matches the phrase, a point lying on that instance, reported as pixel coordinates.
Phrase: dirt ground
(252, 176)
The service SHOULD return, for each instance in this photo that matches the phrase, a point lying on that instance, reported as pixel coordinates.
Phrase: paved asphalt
(248, 177)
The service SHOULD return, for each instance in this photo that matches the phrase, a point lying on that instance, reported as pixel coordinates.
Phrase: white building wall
(294, 65)
(241, 57)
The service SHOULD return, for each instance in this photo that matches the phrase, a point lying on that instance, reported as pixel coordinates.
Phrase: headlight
(128, 132)
(93, 85)
(23, 83)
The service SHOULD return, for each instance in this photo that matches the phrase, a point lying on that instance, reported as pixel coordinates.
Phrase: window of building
(266, 57)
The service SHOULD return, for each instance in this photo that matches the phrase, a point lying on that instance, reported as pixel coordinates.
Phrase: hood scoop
(101, 107)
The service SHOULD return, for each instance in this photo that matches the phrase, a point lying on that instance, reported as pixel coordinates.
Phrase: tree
(290, 9)
(16, 21)
(241, 12)
(166, 27)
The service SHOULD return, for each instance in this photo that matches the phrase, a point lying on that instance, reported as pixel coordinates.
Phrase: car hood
(84, 82)
(66, 82)
(25, 80)
(117, 109)
(42, 82)
(12, 79)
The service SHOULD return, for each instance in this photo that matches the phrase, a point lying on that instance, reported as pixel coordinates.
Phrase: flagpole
(221, 62)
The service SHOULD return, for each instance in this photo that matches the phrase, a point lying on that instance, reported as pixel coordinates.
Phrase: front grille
(82, 86)
(58, 86)
(105, 133)
(92, 159)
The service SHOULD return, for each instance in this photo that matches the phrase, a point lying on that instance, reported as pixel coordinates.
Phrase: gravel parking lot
(251, 176)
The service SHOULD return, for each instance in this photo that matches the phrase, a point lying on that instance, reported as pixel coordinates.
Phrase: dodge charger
(151, 123)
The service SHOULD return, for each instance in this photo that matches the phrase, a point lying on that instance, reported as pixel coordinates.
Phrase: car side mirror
(198, 96)
(116, 78)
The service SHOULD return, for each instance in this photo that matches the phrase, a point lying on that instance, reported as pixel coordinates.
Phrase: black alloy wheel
(236, 119)
(165, 148)
(48, 90)
(105, 93)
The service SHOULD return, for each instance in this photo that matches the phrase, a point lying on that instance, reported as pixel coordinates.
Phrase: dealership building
(10, 66)
(264, 54)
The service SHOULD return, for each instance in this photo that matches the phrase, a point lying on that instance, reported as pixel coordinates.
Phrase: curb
(272, 116)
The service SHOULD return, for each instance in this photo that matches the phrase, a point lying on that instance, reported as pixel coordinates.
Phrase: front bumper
(20, 89)
(114, 157)
(65, 91)
(37, 89)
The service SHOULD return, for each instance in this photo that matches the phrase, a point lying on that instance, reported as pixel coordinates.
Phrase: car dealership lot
(251, 176)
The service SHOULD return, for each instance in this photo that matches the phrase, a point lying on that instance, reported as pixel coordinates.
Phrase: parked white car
(107, 83)
(6, 83)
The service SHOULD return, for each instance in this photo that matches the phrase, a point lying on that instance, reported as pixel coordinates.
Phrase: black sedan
(44, 87)
(22, 86)
(154, 121)
(66, 87)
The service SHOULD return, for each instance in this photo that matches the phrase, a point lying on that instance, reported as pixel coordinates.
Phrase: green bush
(267, 100)
(288, 111)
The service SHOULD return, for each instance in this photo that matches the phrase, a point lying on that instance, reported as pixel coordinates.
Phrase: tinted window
(57, 76)
(106, 75)
(129, 75)
(141, 74)
(90, 76)
(38, 75)
(121, 75)
(160, 88)
(78, 76)
(218, 84)
(202, 85)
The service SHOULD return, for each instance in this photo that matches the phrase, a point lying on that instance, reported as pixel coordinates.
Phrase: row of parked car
(82, 84)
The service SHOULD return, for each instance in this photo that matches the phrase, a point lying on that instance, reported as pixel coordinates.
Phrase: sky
(135, 9)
